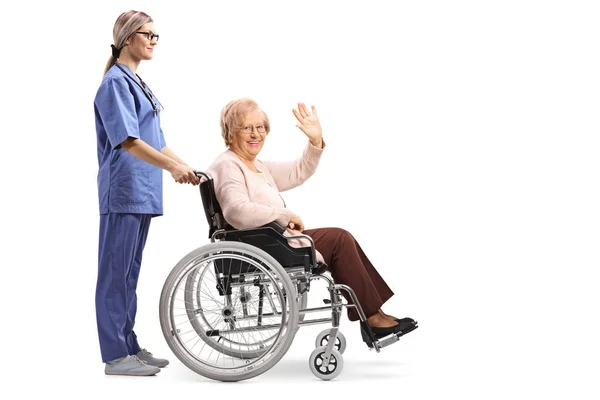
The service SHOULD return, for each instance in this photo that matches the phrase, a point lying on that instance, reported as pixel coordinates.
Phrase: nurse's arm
(181, 172)
(169, 153)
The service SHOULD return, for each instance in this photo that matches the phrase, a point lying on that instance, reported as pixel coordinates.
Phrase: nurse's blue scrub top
(126, 184)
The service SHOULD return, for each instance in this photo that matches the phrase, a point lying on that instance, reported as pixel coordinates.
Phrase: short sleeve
(163, 144)
(116, 106)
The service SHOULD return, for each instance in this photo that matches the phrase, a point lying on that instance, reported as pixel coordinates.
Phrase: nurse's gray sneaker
(149, 359)
(130, 365)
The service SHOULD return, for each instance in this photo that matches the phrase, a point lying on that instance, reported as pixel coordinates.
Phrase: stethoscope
(156, 107)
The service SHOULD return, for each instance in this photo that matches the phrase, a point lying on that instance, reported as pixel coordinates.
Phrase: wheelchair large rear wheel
(228, 311)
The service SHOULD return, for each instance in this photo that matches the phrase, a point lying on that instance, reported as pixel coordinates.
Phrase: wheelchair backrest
(212, 209)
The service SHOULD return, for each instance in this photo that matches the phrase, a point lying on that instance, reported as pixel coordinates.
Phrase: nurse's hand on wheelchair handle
(296, 223)
(185, 174)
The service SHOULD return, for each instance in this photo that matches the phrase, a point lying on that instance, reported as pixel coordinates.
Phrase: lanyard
(156, 107)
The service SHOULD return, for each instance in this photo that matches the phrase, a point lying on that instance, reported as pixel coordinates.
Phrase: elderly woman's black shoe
(406, 325)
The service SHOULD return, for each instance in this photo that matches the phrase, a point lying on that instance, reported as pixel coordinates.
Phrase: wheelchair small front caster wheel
(317, 363)
(323, 339)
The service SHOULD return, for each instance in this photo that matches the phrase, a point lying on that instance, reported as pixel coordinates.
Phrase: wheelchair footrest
(385, 340)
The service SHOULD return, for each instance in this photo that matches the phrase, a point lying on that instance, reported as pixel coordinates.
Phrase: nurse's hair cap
(116, 53)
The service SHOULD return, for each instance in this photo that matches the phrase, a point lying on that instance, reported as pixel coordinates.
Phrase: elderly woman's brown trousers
(349, 265)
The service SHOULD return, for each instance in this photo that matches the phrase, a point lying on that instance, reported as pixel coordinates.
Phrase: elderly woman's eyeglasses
(149, 35)
(248, 129)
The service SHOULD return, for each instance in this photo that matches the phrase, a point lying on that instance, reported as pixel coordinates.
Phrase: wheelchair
(229, 310)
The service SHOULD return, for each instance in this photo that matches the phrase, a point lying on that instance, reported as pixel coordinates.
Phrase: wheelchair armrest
(272, 226)
(275, 231)
(278, 228)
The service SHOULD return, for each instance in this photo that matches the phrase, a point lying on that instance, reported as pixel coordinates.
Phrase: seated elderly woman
(248, 191)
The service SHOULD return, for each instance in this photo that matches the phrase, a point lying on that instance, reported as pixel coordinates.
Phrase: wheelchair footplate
(378, 343)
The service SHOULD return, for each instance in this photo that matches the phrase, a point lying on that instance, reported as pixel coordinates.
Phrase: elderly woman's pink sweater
(251, 199)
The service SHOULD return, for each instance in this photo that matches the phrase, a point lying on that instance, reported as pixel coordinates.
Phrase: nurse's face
(247, 141)
(140, 47)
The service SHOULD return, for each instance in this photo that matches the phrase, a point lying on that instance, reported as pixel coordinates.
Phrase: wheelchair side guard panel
(272, 242)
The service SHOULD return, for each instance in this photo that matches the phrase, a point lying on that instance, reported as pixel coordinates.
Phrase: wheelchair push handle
(201, 174)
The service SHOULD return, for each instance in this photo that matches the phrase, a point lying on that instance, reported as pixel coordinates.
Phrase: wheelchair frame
(264, 255)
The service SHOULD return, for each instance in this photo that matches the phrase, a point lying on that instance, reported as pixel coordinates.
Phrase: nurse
(131, 155)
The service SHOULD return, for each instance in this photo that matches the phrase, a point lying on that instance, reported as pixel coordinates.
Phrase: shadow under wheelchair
(229, 310)
(295, 369)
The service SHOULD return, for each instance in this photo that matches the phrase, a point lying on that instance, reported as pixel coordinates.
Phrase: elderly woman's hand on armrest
(296, 223)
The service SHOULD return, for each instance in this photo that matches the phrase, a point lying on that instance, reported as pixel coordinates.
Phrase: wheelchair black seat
(268, 238)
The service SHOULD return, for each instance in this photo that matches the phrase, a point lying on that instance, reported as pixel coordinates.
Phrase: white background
(462, 152)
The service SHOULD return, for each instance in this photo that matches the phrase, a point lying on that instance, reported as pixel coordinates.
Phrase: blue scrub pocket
(131, 189)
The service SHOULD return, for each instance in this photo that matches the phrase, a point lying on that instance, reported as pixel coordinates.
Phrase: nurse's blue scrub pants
(122, 241)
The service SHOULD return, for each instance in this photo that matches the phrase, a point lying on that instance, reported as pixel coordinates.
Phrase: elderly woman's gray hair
(233, 115)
